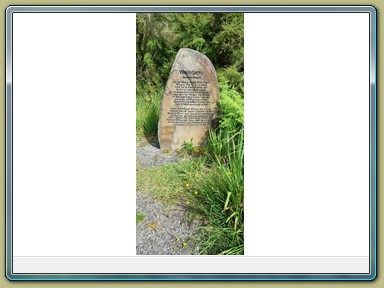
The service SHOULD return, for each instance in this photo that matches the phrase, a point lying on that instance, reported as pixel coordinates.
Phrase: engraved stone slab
(189, 101)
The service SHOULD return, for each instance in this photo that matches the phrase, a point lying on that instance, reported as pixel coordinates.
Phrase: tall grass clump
(147, 110)
(216, 191)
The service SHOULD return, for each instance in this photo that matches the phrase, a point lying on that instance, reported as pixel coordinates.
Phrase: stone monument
(189, 101)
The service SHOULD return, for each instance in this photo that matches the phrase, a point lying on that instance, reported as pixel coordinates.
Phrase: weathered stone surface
(189, 101)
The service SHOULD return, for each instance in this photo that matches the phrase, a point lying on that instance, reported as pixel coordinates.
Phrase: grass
(147, 111)
(139, 217)
(188, 147)
(162, 182)
(216, 191)
(216, 188)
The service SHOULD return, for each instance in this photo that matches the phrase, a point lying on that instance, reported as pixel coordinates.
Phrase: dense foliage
(214, 182)
(219, 36)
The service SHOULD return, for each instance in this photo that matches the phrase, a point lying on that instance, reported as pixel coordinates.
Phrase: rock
(189, 101)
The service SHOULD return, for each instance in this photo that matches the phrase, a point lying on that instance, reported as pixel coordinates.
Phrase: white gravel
(150, 155)
(163, 231)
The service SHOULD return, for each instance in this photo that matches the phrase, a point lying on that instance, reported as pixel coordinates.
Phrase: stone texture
(189, 101)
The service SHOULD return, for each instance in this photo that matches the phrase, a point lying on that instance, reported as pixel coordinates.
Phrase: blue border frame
(196, 277)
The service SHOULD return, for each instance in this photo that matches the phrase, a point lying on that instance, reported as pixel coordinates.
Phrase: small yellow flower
(196, 174)
(187, 185)
(229, 173)
(196, 192)
(188, 202)
(185, 244)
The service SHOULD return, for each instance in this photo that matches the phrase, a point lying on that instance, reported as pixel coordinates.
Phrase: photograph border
(171, 8)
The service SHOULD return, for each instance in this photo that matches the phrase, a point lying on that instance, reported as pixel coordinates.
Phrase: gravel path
(165, 230)
(150, 155)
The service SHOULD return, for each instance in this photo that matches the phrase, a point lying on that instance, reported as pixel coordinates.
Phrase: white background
(306, 146)
(307, 134)
(73, 134)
